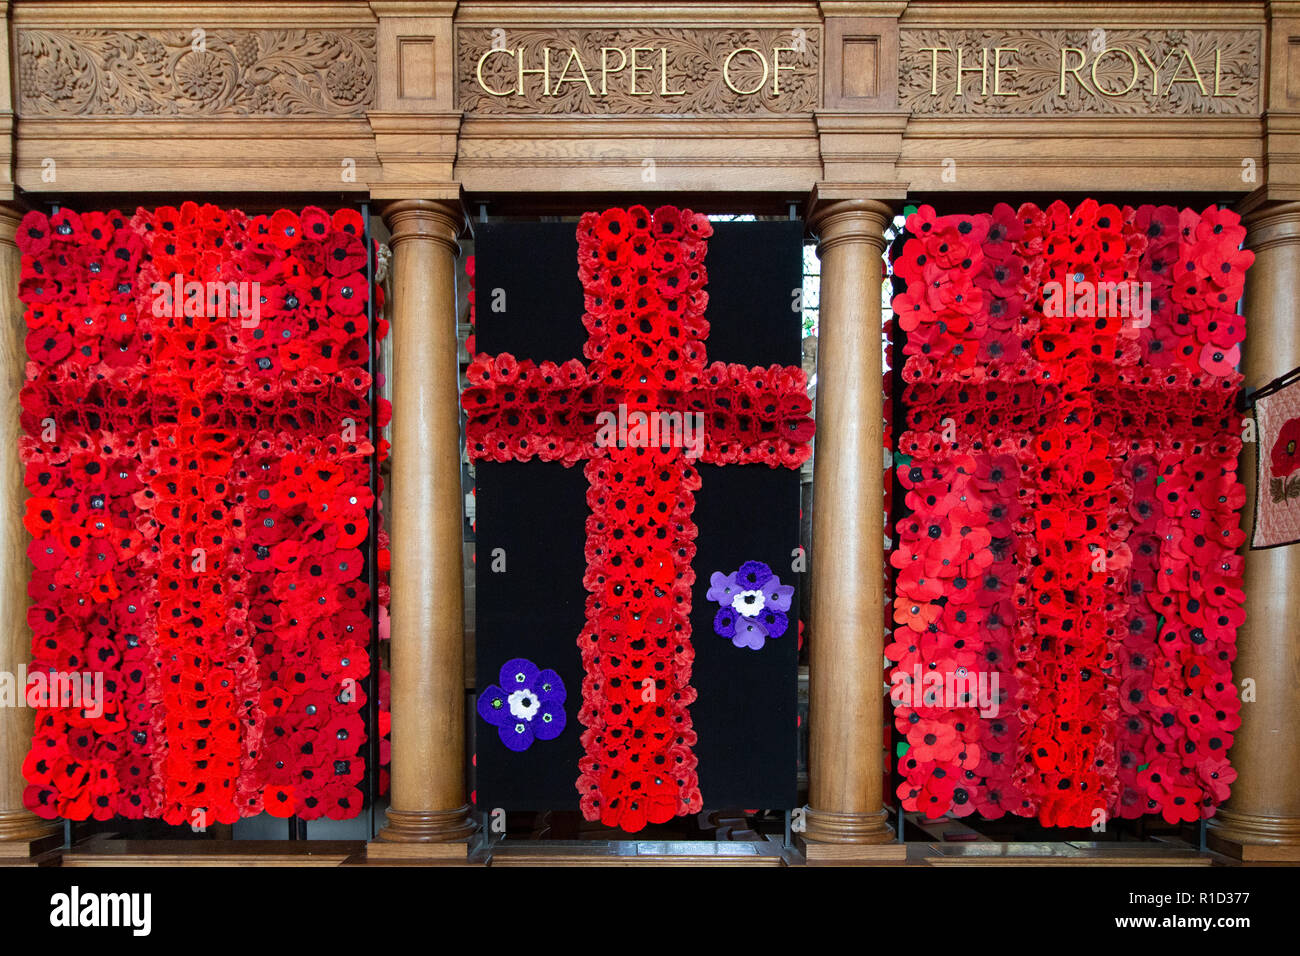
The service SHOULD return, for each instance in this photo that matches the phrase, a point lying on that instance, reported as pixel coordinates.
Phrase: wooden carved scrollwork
(216, 72)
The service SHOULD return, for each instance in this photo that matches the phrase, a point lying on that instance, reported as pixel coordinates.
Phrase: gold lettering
(637, 68)
(1155, 70)
(982, 69)
(663, 75)
(778, 66)
(934, 52)
(545, 71)
(726, 70)
(479, 72)
(605, 71)
(1073, 69)
(1194, 78)
(1218, 63)
(564, 73)
(999, 69)
(1097, 62)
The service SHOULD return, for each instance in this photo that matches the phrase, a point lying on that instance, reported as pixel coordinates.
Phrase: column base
(850, 854)
(24, 835)
(833, 837)
(1252, 838)
(424, 835)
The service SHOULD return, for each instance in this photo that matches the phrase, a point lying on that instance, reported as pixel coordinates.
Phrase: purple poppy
(755, 604)
(753, 574)
(527, 706)
(750, 634)
(724, 622)
(722, 588)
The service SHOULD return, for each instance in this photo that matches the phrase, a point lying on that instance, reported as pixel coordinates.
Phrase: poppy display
(643, 410)
(196, 440)
(1067, 562)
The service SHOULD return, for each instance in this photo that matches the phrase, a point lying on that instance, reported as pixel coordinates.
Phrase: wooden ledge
(47, 858)
(99, 852)
(1060, 854)
(105, 851)
(21, 852)
(636, 853)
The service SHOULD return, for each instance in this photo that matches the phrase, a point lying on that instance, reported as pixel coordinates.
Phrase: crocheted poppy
(527, 705)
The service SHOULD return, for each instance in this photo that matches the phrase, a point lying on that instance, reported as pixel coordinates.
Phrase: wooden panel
(147, 155)
(1293, 68)
(416, 59)
(860, 70)
(861, 63)
(634, 154)
(415, 56)
(1153, 154)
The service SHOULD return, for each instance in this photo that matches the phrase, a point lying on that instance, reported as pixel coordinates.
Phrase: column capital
(11, 214)
(1270, 224)
(10, 217)
(439, 220)
(850, 220)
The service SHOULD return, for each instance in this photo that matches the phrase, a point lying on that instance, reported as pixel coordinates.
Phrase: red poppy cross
(640, 412)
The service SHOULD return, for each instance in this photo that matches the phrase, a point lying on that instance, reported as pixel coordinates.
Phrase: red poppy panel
(197, 446)
(1067, 588)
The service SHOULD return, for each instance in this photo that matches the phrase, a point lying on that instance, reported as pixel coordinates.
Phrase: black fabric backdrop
(535, 511)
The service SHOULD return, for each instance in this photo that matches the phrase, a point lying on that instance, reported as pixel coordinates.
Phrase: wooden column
(1261, 820)
(21, 831)
(429, 804)
(846, 632)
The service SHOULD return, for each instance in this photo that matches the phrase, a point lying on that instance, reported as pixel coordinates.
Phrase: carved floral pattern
(1038, 79)
(695, 58)
(222, 72)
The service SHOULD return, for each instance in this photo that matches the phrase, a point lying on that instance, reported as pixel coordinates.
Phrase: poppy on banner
(1277, 503)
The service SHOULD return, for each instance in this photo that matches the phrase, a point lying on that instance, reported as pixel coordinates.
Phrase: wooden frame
(102, 99)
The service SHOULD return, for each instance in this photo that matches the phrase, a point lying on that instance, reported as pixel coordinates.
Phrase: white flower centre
(748, 603)
(524, 703)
